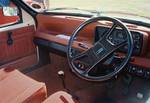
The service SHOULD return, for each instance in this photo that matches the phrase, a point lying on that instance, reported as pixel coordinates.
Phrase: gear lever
(61, 75)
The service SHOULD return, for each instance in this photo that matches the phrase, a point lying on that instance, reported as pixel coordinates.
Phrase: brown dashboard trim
(58, 40)
(142, 62)
(66, 25)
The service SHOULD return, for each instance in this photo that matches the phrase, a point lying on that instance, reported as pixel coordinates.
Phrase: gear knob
(61, 73)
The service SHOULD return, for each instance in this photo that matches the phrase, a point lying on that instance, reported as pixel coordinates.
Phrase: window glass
(9, 15)
(138, 7)
(128, 9)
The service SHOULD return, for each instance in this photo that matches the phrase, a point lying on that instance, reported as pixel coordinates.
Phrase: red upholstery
(60, 97)
(15, 87)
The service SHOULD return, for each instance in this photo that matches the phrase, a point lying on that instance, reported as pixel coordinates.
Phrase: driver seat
(60, 97)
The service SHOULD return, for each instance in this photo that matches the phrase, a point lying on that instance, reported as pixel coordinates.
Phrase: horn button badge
(99, 50)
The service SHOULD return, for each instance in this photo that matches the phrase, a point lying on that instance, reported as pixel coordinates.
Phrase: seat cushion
(60, 97)
(16, 87)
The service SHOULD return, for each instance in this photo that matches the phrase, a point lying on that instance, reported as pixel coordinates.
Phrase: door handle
(10, 39)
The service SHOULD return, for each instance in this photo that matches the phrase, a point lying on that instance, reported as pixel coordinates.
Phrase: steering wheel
(100, 51)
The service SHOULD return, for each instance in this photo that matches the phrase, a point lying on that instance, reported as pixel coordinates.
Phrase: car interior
(58, 57)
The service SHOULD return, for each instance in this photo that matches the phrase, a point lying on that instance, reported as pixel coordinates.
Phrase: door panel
(22, 44)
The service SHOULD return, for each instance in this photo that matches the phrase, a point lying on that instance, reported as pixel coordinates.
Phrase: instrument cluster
(118, 36)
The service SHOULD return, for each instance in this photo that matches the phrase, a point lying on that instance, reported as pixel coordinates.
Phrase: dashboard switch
(147, 74)
(140, 72)
(132, 69)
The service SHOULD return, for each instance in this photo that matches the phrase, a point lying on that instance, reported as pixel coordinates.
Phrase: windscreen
(140, 7)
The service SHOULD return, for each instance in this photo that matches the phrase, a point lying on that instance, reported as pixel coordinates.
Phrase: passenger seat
(16, 87)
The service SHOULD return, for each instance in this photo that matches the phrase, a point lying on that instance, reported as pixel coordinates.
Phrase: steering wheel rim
(119, 68)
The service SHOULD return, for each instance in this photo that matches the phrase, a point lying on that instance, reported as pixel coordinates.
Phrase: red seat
(60, 97)
(15, 87)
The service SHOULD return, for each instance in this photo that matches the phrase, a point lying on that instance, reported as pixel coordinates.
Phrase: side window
(9, 13)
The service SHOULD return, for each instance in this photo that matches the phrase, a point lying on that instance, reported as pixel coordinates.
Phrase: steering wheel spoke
(123, 43)
(109, 32)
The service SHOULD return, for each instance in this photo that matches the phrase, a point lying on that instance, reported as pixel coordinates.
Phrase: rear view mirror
(4, 3)
(10, 11)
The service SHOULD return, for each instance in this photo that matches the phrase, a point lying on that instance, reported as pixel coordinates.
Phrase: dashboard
(48, 31)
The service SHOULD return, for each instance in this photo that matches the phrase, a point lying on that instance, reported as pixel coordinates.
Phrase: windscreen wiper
(52, 9)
